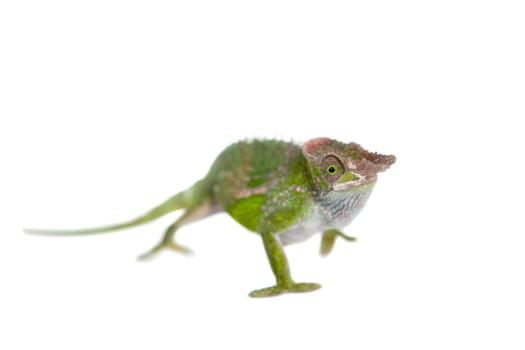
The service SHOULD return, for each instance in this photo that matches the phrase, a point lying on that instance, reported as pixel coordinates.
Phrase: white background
(109, 107)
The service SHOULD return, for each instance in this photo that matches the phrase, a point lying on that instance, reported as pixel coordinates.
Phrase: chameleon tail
(174, 203)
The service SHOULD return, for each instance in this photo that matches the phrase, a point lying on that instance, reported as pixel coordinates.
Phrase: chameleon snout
(379, 162)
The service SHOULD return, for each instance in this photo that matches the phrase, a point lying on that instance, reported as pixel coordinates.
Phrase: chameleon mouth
(361, 180)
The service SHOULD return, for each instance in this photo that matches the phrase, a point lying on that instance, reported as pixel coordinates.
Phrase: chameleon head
(342, 166)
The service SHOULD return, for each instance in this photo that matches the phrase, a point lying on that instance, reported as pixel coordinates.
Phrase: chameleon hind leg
(168, 242)
(281, 270)
(328, 240)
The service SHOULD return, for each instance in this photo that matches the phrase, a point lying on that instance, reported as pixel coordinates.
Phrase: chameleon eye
(333, 168)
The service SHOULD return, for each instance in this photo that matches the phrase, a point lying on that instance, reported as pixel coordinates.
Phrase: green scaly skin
(283, 191)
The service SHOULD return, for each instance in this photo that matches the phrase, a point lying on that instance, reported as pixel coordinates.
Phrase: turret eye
(333, 168)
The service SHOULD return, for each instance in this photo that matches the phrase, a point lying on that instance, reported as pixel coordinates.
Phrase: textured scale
(252, 181)
(327, 214)
(283, 191)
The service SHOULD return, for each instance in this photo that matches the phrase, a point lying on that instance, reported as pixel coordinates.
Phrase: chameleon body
(283, 191)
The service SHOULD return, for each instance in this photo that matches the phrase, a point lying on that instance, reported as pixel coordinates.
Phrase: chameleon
(283, 191)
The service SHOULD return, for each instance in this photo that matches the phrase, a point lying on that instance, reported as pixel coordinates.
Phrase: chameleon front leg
(281, 270)
(328, 240)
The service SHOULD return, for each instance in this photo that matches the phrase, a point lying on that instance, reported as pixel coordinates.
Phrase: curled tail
(174, 203)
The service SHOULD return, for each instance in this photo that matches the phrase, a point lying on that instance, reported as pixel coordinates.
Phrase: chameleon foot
(328, 240)
(277, 290)
(173, 246)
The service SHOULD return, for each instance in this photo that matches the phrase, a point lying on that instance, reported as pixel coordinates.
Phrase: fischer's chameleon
(283, 191)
